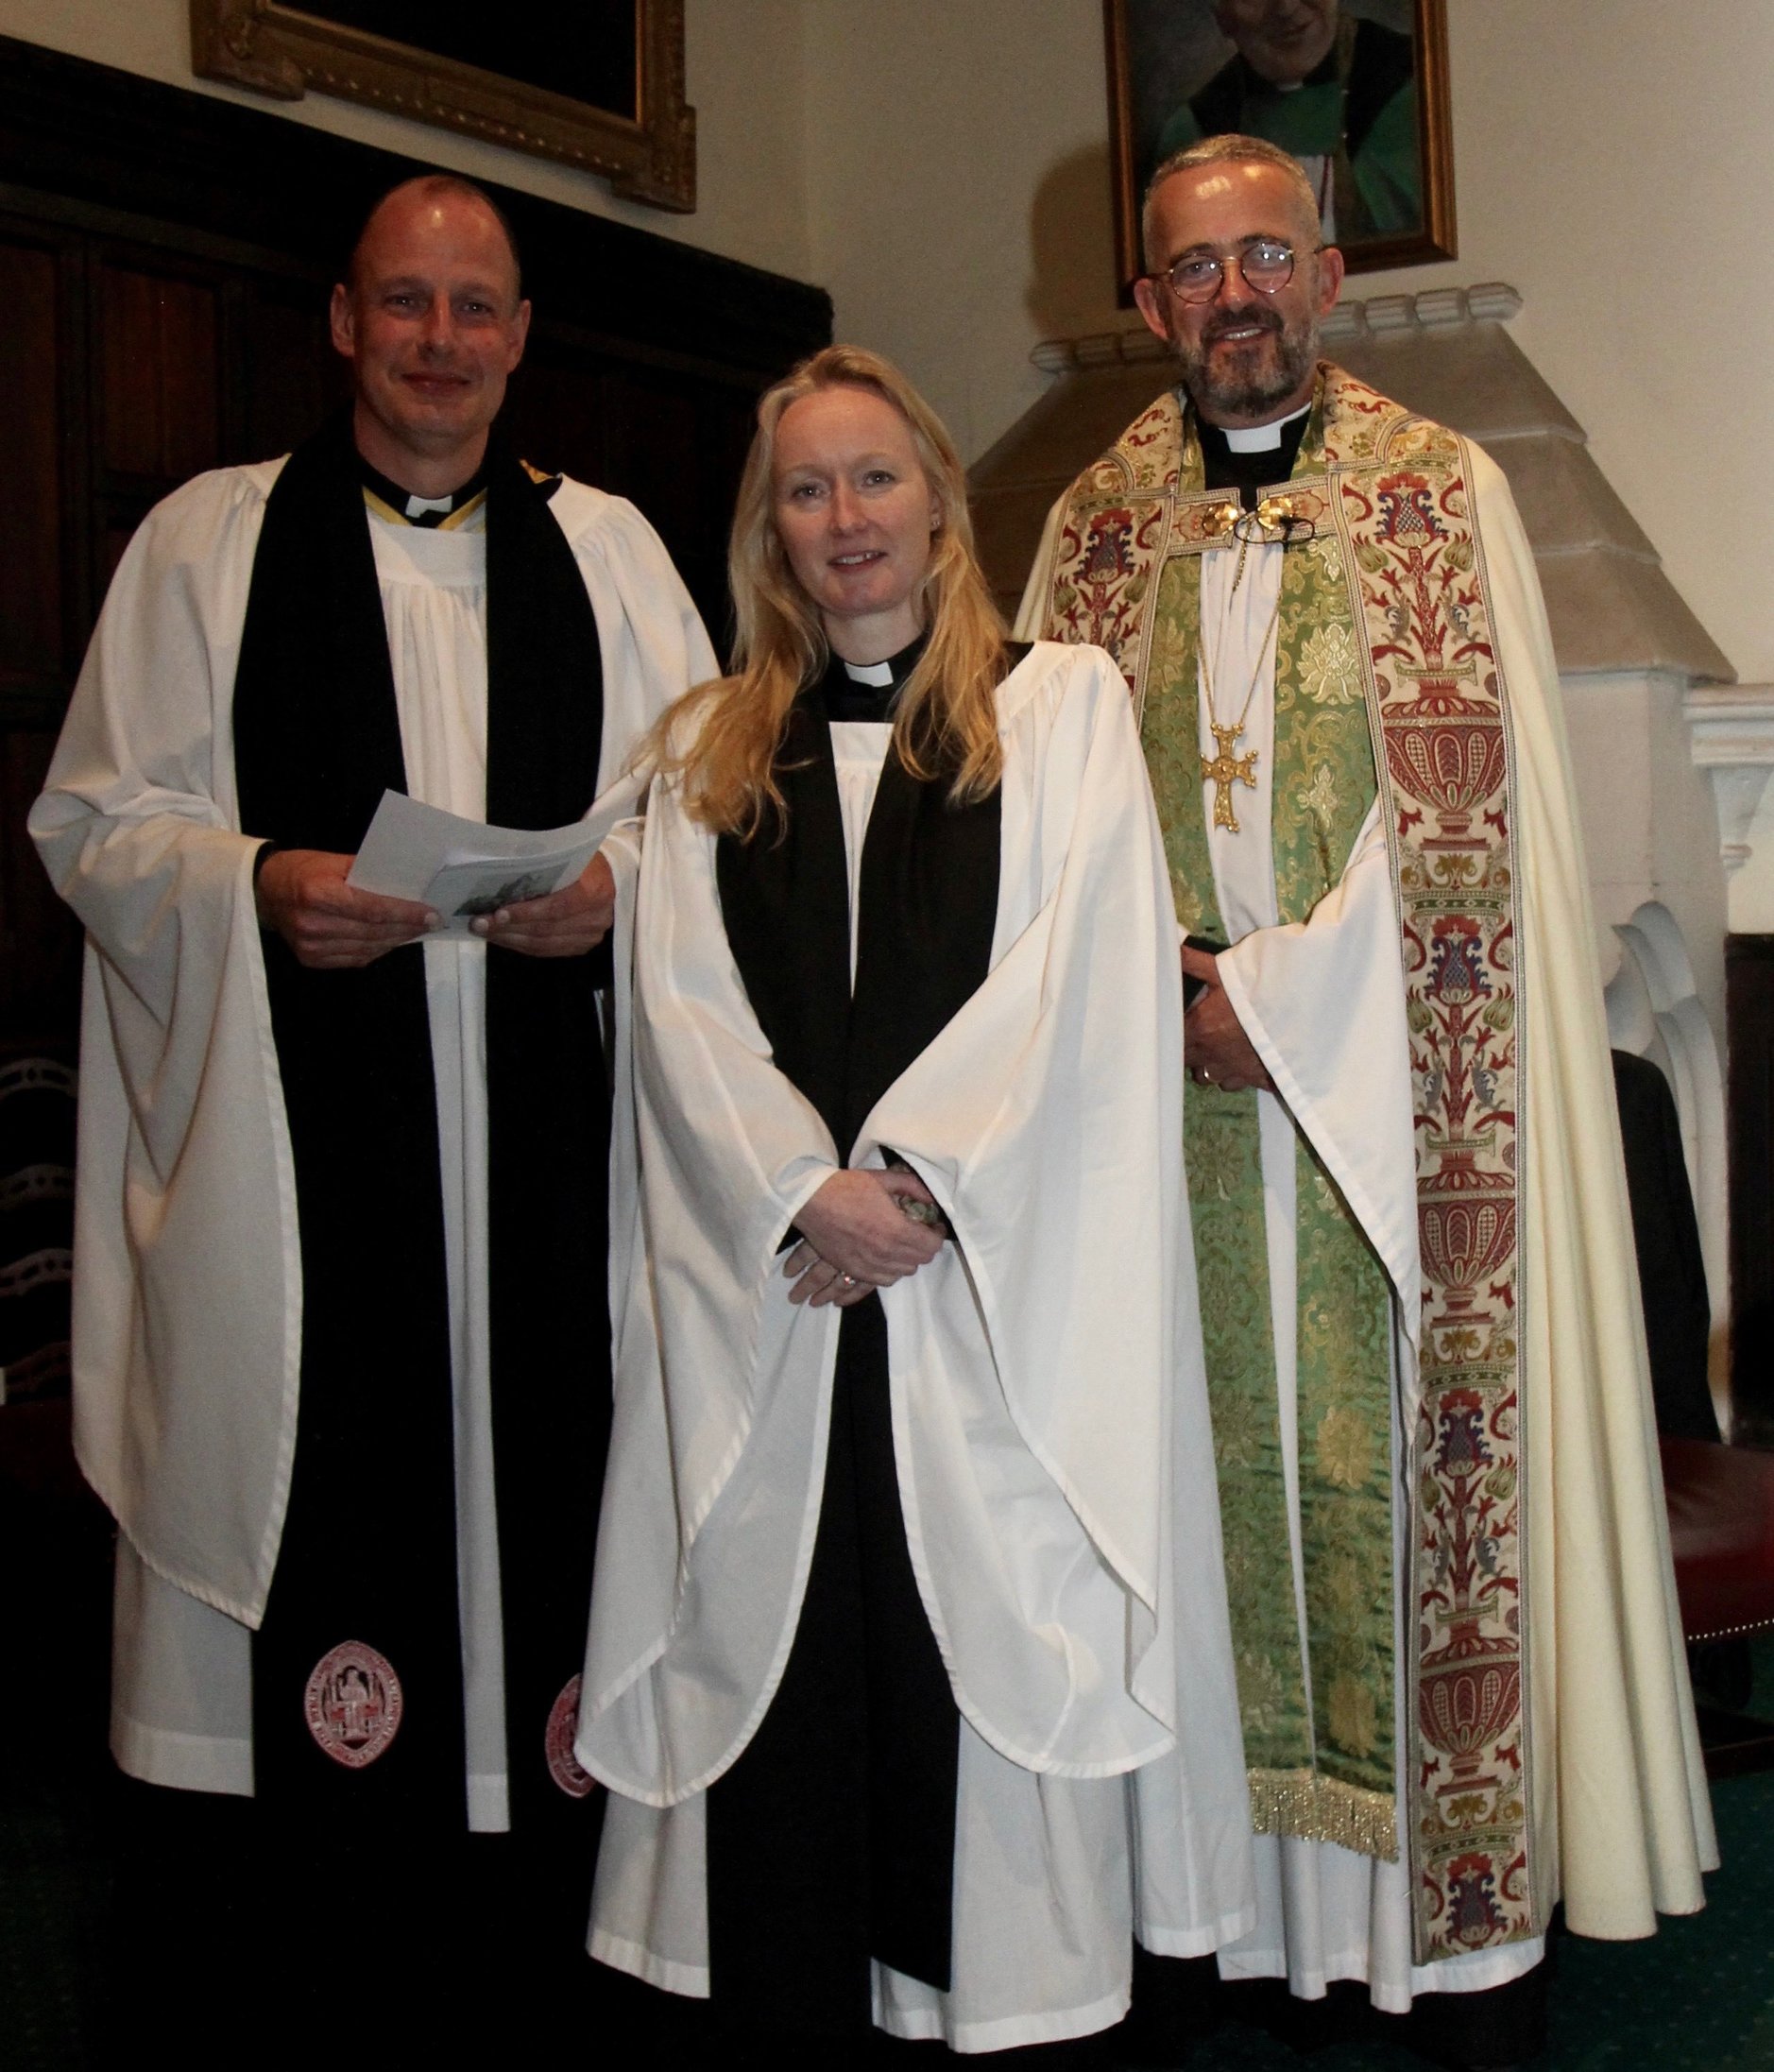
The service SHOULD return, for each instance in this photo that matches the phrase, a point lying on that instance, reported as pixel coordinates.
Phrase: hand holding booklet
(464, 868)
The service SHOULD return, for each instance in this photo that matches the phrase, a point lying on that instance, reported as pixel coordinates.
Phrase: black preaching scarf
(831, 1839)
(367, 1559)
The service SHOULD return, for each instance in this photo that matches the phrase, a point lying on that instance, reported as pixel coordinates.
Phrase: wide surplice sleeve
(187, 1290)
(1322, 1001)
(1030, 1363)
(712, 1364)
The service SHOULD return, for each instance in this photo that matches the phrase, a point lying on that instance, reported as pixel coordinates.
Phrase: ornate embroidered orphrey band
(1394, 488)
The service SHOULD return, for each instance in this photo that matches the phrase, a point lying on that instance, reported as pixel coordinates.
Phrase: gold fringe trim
(1300, 1802)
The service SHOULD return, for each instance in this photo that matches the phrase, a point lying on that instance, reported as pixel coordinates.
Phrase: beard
(1248, 379)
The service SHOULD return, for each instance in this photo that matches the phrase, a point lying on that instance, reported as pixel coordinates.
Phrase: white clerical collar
(1262, 438)
(874, 674)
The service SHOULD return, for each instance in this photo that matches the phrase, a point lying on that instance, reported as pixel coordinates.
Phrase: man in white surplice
(1246, 657)
(198, 1285)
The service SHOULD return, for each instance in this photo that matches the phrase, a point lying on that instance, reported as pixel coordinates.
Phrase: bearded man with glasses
(1459, 1665)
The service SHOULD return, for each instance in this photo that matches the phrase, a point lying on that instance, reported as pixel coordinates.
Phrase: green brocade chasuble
(1382, 665)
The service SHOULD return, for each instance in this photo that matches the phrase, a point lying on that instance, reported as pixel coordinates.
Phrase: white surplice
(188, 1273)
(1049, 1404)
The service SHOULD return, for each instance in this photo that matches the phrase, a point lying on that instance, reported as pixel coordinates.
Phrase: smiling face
(1281, 40)
(855, 511)
(1247, 358)
(432, 323)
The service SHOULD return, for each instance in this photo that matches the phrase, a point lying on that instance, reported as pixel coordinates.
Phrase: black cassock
(831, 1838)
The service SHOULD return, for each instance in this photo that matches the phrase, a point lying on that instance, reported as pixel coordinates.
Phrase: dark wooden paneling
(159, 404)
(31, 615)
(291, 377)
(646, 416)
(671, 445)
(1749, 1024)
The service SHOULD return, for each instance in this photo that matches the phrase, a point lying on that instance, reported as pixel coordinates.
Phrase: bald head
(433, 320)
(1229, 150)
(395, 213)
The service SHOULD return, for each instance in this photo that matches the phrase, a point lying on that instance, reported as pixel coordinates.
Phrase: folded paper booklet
(462, 868)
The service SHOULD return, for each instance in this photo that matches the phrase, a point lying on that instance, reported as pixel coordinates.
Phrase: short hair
(1231, 148)
(946, 717)
(433, 185)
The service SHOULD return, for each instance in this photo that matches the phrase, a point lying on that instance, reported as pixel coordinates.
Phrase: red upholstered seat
(1721, 1528)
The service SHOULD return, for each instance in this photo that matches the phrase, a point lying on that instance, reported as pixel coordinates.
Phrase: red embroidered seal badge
(353, 1704)
(563, 1765)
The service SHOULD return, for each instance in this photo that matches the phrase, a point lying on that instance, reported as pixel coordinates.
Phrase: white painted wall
(959, 190)
(1615, 166)
(1614, 161)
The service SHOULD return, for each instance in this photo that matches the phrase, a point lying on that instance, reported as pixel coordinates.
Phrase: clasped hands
(1216, 1050)
(332, 926)
(855, 1237)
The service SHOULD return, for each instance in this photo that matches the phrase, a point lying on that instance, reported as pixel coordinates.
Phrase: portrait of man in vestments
(1356, 90)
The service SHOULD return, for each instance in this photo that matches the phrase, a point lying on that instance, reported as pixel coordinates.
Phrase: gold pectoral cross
(1226, 770)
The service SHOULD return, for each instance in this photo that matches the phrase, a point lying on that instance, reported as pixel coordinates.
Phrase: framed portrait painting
(599, 85)
(1356, 90)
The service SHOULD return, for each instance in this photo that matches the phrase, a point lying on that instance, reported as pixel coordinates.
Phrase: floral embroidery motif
(1318, 798)
(1425, 620)
(1330, 669)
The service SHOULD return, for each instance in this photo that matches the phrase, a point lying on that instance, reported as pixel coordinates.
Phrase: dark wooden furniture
(1750, 1025)
(1721, 1533)
(165, 264)
(1721, 1528)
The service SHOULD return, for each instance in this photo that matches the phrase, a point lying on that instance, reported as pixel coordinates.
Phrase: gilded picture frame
(1177, 69)
(647, 151)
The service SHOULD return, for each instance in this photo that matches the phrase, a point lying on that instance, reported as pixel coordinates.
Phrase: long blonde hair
(722, 739)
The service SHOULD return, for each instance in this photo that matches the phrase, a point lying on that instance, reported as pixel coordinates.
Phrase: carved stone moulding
(1731, 730)
(282, 52)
